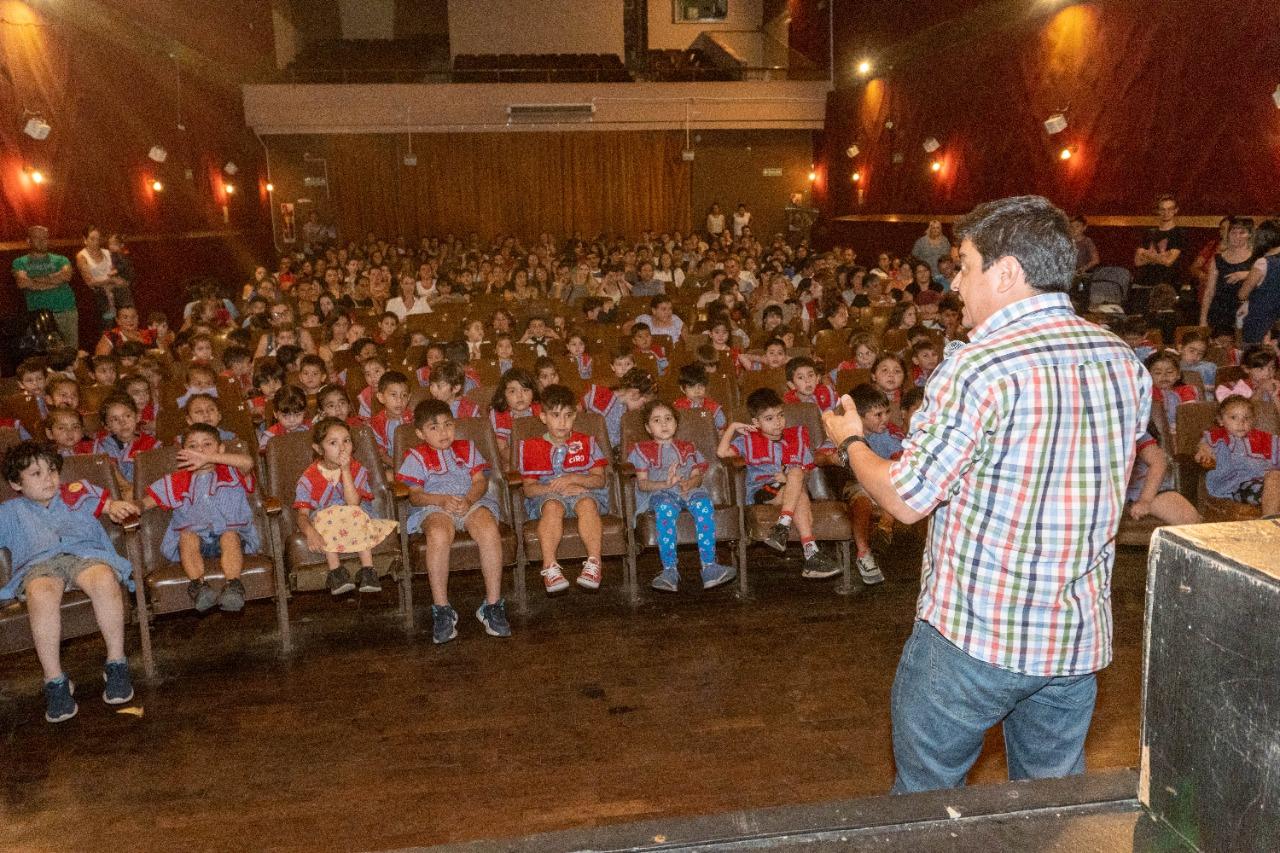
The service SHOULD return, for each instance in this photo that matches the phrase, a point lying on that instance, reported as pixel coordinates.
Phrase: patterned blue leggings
(667, 511)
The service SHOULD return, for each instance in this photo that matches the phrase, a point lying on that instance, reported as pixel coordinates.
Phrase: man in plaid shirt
(1021, 451)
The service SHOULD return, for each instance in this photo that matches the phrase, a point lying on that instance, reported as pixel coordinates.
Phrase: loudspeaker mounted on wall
(931, 145)
(37, 128)
(1055, 123)
(158, 153)
(852, 151)
(687, 155)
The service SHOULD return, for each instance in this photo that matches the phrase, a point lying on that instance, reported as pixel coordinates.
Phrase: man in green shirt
(44, 280)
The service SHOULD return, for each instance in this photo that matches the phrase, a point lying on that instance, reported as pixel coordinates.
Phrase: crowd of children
(801, 329)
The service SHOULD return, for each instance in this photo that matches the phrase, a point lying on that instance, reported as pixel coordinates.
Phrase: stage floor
(592, 714)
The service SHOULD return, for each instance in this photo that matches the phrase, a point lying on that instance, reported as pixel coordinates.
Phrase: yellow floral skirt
(348, 529)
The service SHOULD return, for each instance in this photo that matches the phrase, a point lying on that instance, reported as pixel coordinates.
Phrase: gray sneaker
(232, 598)
(668, 581)
(776, 538)
(444, 623)
(870, 572)
(819, 566)
(367, 580)
(715, 574)
(119, 687)
(340, 581)
(202, 595)
(58, 704)
(494, 619)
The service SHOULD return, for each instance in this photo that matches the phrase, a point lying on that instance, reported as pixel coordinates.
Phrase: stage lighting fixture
(158, 153)
(1064, 154)
(37, 128)
(1055, 123)
(271, 187)
(864, 68)
(37, 176)
(229, 188)
(156, 186)
(931, 145)
(231, 168)
(855, 177)
(936, 165)
(813, 176)
(852, 151)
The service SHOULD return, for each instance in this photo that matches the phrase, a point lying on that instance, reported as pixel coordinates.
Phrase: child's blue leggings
(668, 510)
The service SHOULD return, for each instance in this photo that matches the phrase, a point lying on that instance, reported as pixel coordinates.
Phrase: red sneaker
(553, 579)
(590, 576)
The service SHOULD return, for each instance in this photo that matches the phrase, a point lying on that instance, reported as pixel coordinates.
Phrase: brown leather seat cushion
(1137, 533)
(1222, 509)
(830, 522)
(464, 554)
(309, 571)
(686, 534)
(613, 540)
(167, 583)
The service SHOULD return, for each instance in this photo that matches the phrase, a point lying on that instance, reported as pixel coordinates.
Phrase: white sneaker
(870, 572)
(553, 579)
(590, 576)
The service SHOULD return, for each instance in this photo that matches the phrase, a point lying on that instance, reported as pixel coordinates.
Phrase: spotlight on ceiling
(156, 186)
(158, 153)
(271, 187)
(856, 177)
(230, 189)
(931, 145)
(37, 128)
(813, 176)
(852, 151)
(936, 165)
(864, 68)
(231, 168)
(1065, 154)
(1055, 123)
(37, 176)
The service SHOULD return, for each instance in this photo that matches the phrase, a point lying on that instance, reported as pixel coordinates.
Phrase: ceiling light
(156, 186)
(813, 176)
(1065, 154)
(852, 151)
(411, 159)
(936, 165)
(37, 176)
(271, 187)
(1055, 123)
(231, 168)
(158, 153)
(857, 176)
(931, 145)
(229, 188)
(864, 68)
(37, 128)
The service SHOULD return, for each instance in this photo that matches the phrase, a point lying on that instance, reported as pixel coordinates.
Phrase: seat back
(774, 377)
(479, 432)
(1194, 419)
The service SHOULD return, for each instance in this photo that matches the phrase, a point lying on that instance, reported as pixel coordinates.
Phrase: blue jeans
(944, 700)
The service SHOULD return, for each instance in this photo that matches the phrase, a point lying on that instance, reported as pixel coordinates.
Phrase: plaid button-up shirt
(1024, 446)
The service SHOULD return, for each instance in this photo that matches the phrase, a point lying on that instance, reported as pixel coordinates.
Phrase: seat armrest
(399, 491)
(734, 463)
(626, 470)
(132, 525)
(272, 507)
(514, 479)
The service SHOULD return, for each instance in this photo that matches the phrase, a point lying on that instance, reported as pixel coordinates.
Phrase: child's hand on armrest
(1204, 456)
(120, 511)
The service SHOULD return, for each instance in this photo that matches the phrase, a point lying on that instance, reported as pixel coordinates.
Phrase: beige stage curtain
(517, 183)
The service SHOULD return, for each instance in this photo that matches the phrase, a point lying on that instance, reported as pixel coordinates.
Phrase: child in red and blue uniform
(693, 382)
(121, 439)
(516, 396)
(290, 409)
(448, 384)
(393, 394)
(211, 517)
(1246, 461)
(564, 477)
(57, 544)
(778, 460)
(669, 474)
(1166, 378)
(885, 438)
(450, 492)
(806, 386)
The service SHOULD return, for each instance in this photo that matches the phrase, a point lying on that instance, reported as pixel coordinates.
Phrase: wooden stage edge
(1015, 816)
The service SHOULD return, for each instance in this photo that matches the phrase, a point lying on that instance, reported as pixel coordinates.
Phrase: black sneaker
(494, 619)
(119, 687)
(444, 623)
(202, 595)
(232, 598)
(777, 537)
(340, 581)
(367, 580)
(58, 704)
(819, 566)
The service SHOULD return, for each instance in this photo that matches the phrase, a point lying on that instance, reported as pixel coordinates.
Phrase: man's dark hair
(658, 300)
(692, 374)
(867, 397)
(558, 397)
(430, 409)
(1028, 229)
(1266, 237)
(761, 400)
(22, 455)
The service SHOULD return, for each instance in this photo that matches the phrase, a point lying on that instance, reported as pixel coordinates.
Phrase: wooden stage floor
(593, 713)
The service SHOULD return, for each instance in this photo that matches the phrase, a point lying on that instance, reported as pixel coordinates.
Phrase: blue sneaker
(715, 574)
(119, 685)
(444, 623)
(668, 581)
(58, 704)
(494, 619)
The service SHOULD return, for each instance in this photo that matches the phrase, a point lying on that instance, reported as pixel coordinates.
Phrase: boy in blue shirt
(885, 438)
(779, 460)
(57, 544)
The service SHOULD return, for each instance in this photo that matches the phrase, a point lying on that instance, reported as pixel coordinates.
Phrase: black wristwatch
(842, 453)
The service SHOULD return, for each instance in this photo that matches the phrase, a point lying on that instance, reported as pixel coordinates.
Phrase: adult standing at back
(931, 246)
(43, 279)
(1021, 453)
(1227, 270)
(1261, 290)
(98, 270)
(1156, 261)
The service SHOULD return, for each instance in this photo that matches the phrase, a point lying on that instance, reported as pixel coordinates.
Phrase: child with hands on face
(333, 508)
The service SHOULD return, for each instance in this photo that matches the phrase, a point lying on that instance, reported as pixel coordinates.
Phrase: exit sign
(771, 172)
